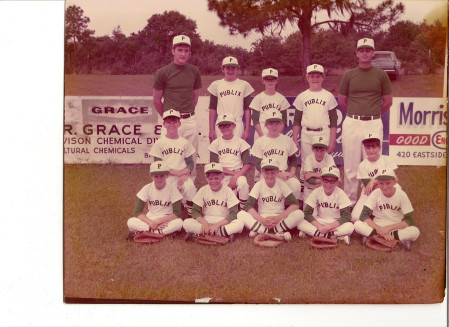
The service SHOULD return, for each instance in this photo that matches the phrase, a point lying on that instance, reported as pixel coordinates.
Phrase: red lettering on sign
(409, 139)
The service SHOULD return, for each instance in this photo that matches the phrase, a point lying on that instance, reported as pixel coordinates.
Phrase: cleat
(252, 234)
(364, 238)
(130, 236)
(345, 239)
(232, 238)
(287, 236)
(301, 234)
(407, 245)
(188, 237)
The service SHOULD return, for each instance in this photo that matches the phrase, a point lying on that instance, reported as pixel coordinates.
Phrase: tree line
(419, 46)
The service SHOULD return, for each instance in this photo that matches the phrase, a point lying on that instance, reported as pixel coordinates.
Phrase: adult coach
(179, 84)
(365, 94)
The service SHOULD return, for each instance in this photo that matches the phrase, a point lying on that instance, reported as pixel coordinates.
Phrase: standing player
(177, 153)
(327, 211)
(365, 94)
(179, 84)
(392, 212)
(164, 205)
(280, 148)
(230, 95)
(267, 99)
(272, 196)
(316, 115)
(233, 153)
(215, 207)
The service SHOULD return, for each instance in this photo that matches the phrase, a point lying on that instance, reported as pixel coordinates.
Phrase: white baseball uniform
(215, 207)
(278, 148)
(160, 203)
(230, 157)
(315, 107)
(326, 211)
(369, 170)
(271, 202)
(230, 97)
(263, 102)
(388, 211)
(314, 166)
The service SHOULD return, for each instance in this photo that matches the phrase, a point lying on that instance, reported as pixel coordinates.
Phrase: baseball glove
(268, 240)
(380, 244)
(148, 237)
(212, 240)
(323, 242)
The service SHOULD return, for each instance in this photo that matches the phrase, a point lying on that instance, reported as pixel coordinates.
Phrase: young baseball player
(177, 154)
(233, 153)
(164, 205)
(314, 163)
(230, 95)
(326, 212)
(215, 207)
(391, 210)
(272, 196)
(316, 115)
(369, 168)
(279, 147)
(267, 99)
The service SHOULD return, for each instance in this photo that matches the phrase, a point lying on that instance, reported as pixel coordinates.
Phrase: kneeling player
(327, 211)
(215, 207)
(272, 195)
(391, 210)
(164, 205)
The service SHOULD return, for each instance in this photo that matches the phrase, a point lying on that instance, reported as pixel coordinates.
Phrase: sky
(132, 16)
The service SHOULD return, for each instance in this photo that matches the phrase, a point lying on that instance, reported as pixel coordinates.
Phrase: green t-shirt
(178, 83)
(364, 89)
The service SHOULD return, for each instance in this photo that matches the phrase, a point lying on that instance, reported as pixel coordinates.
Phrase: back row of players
(383, 208)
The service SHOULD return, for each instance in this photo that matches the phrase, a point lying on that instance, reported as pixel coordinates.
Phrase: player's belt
(314, 129)
(364, 117)
(187, 115)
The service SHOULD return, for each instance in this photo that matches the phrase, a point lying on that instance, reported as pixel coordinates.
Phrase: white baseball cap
(230, 61)
(315, 68)
(225, 119)
(181, 39)
(213, 167)
(270, 72)
(386, 174)
(268, 163)
(319, 142)
(159, 168)
(171, 113)
(273, 115)
(331, 171)
(365, 43)
(370, 136)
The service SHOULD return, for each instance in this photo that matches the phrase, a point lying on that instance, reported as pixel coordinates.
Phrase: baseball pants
(137, 225)
(292, 220)
(410, 233)
(309, 229)
(241, 190)
(193, 226)
(187, 190)
(306, 149)
(353, 133)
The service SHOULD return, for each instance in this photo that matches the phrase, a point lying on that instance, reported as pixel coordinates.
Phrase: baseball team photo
(255, 152)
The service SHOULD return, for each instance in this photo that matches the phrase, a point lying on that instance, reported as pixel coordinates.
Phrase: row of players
(383, 208)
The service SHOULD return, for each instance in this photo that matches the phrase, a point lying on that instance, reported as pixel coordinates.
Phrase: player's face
(315, 80)
(270, 82)
(387, 186)
(215, 181)
(372, 152)
(319, 153)
(230, 72)
(159, 180)
(226, 129)
(180, 54)
(274, 127)
(172, 123)
(270, 175)
(329, 183)
(365, 55)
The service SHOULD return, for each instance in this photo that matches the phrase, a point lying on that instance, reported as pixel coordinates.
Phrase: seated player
(388, 213)
(326, 212)
(272, 195)
(233, 154)
(164, 205)
(215, 207)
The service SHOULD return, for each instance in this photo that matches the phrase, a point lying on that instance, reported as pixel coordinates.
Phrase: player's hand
(272, 221)
(369, 187)
(213, 229)
(233, 182)
(298, 146)
(382, 231)
(245, 135)
(212, 135)
(331, 147)
(182, 179)
(162, 225)
(153, 225)
(204, 228)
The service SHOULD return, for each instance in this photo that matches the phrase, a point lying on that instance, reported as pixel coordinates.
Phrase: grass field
(99, 265)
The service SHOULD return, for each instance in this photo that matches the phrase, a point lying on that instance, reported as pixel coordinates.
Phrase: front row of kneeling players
(215, 209)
